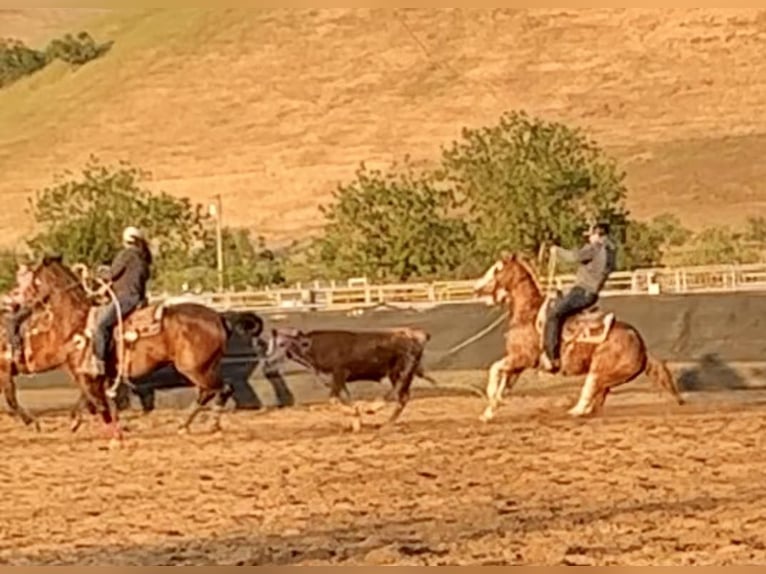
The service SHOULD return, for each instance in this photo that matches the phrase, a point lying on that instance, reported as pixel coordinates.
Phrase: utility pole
(216, 210)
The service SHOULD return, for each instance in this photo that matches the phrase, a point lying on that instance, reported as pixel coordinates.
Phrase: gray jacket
(596, 261)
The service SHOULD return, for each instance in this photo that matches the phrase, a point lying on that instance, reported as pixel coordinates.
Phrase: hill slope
(273, 108)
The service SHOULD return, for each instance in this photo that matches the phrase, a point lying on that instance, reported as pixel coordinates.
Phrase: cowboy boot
(92, 366)
(549, 365)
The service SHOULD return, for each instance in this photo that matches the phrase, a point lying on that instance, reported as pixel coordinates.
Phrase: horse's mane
(65, 277)
(530, 268)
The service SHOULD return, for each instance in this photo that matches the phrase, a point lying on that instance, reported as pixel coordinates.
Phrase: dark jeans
(576, 300)
(13, 323)
(102, 338)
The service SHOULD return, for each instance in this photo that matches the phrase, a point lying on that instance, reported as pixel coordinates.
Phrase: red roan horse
(608, 352)
(189, 336)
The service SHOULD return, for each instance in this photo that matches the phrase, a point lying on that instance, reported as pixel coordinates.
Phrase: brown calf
(357, 356)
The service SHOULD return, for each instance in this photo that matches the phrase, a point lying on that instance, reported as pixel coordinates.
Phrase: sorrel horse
(190, 336)
(614, 355)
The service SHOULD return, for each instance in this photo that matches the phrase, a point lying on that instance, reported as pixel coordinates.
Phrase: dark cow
(357, 356)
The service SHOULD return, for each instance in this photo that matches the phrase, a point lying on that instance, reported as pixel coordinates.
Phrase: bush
(527, 183)
(393, 226)
(17, 60)
(76, 51)
(82, 217)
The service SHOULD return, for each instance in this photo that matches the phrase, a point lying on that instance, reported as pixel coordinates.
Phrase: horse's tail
(246, 324)
(660, 375)
(420, 372)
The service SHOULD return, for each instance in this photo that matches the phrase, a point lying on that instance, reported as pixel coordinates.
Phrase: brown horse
(189, 336)
(610, 353)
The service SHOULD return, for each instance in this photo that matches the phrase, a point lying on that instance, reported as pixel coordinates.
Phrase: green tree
(392, 226)
(248, 263)
(719, 245)
(8, 265)
(526, 182)
(76, 50)
(82, 217)
(18, 60)
(647, 243)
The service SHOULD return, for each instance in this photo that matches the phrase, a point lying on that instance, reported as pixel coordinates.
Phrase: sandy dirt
(646, 483)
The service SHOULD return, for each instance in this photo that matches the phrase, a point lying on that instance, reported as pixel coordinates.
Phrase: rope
(84, 273)
(489, 328)
(551, 271)
(456, 348)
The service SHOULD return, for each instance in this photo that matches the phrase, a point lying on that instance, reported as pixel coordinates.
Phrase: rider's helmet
(130, 234)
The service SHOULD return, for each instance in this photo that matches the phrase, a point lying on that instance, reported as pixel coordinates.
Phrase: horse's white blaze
(488, 276)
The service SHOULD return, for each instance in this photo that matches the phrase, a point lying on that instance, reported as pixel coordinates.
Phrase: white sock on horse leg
(584, 404)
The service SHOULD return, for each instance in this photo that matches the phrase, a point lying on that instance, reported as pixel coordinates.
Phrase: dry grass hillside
(273, 108)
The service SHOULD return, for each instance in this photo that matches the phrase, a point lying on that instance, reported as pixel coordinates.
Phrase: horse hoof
(183, 430)
(36, 426)
(115, 444)
(356, 425)
(486, 416)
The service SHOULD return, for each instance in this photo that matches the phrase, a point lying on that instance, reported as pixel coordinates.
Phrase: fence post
(431, 292)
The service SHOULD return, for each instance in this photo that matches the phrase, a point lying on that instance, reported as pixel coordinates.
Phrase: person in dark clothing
(596, 261)
(128, 275)
(17, 312)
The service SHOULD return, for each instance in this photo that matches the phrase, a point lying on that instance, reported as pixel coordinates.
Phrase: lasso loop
(83, 272)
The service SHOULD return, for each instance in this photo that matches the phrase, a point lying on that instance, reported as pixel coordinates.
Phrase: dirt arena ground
(647, 483)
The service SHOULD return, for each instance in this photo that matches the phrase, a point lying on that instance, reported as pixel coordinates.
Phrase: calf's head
(287, 343)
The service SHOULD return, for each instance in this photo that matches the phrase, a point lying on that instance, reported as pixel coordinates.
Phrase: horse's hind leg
(222, 398)
(590, 394)
(209, 385)
(204, 396)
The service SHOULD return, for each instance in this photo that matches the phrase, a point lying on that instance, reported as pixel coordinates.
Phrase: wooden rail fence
(707, 279)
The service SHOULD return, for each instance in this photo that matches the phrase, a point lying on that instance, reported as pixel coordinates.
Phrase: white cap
(130, 233)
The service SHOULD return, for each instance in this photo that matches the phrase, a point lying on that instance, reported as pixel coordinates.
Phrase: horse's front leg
(500, 375)
(11, 398)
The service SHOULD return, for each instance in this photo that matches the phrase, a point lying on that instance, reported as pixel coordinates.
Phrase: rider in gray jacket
(596, 261)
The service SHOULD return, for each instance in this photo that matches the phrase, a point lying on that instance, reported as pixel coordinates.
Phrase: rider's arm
(119, 265)
(582, 255)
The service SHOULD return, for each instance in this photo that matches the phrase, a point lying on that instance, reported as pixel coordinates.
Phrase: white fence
(707, 279)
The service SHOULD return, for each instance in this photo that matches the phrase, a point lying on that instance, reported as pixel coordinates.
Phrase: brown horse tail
(660, 375)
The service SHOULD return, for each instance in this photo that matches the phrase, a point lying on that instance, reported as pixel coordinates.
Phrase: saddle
(590, 326)
(143, 322)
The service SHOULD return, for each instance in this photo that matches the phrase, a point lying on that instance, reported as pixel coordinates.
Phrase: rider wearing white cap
(128, 275)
